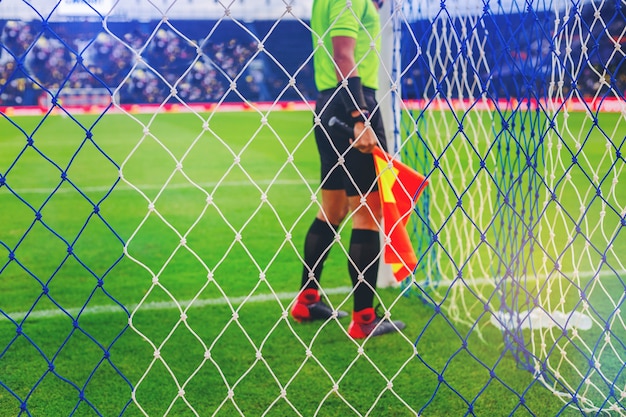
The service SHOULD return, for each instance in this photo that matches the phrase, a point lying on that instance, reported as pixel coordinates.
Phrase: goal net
(158, 173)
(504, 105)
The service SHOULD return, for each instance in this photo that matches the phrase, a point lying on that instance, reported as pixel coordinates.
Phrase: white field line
(168, 305)
(124, 187)
(283, 296)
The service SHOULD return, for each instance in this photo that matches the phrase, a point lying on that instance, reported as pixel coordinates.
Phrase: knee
(335, 206)
(366, 217)
(334, 215)
(342, 213)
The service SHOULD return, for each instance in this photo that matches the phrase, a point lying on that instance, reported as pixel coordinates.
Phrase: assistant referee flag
(399, 188)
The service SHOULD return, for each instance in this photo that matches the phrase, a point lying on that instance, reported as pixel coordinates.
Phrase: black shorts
(357, 175)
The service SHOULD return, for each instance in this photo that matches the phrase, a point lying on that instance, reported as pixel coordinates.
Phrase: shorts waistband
(366, 90)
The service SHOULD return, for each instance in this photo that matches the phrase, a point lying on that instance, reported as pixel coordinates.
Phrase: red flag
(399, 187)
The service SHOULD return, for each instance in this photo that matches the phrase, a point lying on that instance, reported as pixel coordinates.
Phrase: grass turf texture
(85, 362)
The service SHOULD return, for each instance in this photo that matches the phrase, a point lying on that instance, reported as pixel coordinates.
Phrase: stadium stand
(81, 55)
(39, 58)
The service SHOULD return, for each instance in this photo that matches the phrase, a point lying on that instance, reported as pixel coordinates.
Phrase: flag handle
(335, 123)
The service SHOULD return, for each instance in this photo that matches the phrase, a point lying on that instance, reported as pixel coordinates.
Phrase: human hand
(365, 138)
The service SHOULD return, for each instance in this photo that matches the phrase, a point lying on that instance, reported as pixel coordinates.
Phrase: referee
(345, 42)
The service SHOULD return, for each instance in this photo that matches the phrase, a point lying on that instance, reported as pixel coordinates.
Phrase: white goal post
(148, 247)
(389, 100)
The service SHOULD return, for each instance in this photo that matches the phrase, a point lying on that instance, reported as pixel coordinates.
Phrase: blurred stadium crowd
(146, 66)
(169, 62)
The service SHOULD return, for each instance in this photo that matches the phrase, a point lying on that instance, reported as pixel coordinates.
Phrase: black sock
(364, 255)
(316, 247)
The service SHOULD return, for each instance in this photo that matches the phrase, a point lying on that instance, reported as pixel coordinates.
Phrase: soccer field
(192, 315)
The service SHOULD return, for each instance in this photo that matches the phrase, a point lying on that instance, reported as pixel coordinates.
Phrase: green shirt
(331, 18)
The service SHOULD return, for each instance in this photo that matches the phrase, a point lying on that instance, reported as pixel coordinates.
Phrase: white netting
(514, 111)
(537, 174)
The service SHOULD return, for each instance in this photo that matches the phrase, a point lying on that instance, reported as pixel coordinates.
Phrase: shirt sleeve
(343, 18)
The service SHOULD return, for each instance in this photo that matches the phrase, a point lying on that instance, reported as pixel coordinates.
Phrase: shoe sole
(356, 333)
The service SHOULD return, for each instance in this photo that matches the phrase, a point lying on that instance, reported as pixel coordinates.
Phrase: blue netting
(521, 66)
(502, 233)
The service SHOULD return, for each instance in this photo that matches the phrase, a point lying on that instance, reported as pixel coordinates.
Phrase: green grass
(259, 179)
(573, 228)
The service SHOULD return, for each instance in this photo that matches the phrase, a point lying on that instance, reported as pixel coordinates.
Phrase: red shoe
(309, 307)
(366, 323)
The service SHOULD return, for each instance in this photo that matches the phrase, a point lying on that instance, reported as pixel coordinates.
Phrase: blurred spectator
(165, 66)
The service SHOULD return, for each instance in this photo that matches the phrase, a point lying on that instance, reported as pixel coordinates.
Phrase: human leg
(317, 244)
(334, 207)
(321, 235)
(364, 250)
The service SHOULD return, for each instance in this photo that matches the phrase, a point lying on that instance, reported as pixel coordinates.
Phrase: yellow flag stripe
(388, 176)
